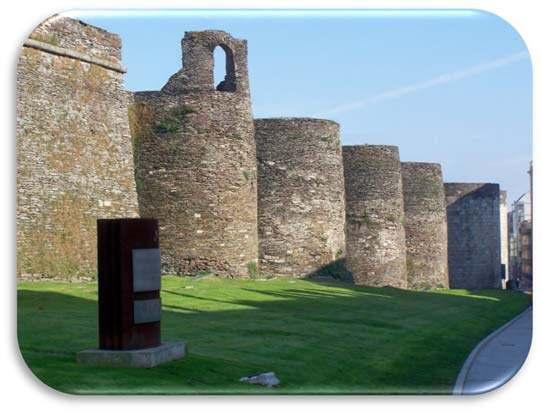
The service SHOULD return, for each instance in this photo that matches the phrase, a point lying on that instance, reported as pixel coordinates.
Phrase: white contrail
(439, 80)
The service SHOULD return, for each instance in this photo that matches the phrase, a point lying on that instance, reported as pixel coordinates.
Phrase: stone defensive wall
(300, 196)
(231, 193)
(474, 240)
(425, 225)
(74, 150)
(375, 236)
(195, 159)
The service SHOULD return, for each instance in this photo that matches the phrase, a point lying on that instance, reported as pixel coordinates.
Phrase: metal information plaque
(146, 269)
(146, 311)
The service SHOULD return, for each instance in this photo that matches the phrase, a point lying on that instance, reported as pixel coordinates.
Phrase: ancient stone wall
(474, 240)
(425, 225)
(74, 150)
(196, 161)
(375, 236)
(300, 196)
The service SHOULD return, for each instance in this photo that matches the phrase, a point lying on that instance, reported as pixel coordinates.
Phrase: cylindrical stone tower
(196, 161)
(425, 225)
(375, 236)
(300, 196)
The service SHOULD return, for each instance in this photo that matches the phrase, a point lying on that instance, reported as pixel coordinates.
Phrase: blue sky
(449, 87)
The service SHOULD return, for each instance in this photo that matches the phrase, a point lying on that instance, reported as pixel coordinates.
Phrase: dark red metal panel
(116, 240)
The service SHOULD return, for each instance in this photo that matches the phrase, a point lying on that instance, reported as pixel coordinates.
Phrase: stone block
(145, 358)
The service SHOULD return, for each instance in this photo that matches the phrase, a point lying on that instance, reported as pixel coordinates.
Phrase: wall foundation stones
(425, 225)
(300, 196)
(375, 236)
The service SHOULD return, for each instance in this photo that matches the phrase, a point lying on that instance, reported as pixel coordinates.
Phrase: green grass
(317, 337)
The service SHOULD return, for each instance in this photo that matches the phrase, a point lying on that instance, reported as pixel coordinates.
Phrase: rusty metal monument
(129, 307)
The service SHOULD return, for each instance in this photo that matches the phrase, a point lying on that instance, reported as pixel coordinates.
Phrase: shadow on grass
(335, 269)
(317, 337)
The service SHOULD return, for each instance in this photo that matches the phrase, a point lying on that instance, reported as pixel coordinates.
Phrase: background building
(520, 241)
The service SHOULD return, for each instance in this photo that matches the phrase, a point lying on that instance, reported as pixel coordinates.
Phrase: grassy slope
(317, 337)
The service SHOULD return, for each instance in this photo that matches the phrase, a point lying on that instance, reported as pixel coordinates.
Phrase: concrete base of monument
(145, 358)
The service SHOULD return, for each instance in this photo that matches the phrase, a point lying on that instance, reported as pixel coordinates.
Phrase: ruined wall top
(198, 63)
(290, 121)
(374, 170)
(459, 190)
(67, 34)
(422, 185)
(374, 152)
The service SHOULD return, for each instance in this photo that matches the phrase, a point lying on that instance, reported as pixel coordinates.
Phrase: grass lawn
(317, 337)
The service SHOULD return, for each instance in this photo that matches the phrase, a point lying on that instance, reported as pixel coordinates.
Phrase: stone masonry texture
(195, 160)
(300, 196)
(425, 225)
(375, 236)
(74, 150)
(230, 193)
(474, 251)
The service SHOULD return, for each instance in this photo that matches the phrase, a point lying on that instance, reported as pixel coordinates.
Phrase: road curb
(460, 381)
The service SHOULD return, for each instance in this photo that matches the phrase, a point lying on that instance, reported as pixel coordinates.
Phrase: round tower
(195, 160)
(425, 225)
(375, 236)
(300, 196)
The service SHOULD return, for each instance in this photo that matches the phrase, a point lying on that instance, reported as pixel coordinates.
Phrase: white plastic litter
(265, 379)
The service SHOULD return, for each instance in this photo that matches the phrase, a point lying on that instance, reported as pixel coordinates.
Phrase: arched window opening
(224, 69)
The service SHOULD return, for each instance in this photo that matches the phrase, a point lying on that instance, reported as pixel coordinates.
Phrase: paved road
(497, 358)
